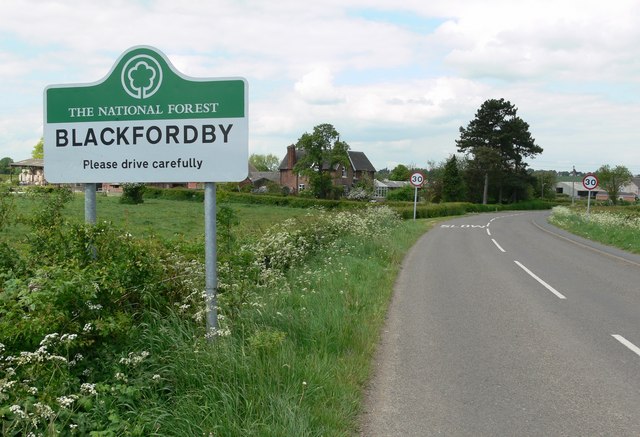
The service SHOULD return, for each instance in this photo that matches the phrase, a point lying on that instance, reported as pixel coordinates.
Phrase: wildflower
(43, 410)
(66, 401)
(88, 388)
(155, 377)
(17, 410)
(121, 377)
(68, 338)
(94, 307)
(88, 327)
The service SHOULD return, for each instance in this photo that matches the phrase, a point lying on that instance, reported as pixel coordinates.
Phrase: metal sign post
(589, 182)
(210, 257)
(147, 122)
(417, 180)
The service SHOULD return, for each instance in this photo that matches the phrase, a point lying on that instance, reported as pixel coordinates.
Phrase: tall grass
(298, 364)
(618, 227)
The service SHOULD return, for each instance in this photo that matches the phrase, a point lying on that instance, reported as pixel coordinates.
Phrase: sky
(396, 79)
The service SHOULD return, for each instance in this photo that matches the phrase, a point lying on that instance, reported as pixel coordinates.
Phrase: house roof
(390, 184)
(360, 162)
(29, 163)
(273, 176)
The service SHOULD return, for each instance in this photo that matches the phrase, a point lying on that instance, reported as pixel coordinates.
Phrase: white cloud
(316, 87)
(571, 66)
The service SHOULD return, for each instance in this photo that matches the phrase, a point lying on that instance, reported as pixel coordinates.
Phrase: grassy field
(166, 219)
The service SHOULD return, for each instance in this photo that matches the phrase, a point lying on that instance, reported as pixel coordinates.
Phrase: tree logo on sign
(141, 77)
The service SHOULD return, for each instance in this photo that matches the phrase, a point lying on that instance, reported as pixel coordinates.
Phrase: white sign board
(146, 122)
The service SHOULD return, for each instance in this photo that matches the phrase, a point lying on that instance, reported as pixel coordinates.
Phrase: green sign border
(108, 99)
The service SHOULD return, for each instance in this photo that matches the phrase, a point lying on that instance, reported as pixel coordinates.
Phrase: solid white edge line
(627, 343)
(498, 246)
(547, 286)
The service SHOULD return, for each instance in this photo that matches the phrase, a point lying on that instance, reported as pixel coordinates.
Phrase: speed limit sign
(590, 182)
(417, 179)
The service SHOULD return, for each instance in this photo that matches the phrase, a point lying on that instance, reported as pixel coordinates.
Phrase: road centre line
(547, 286)
(497, 245)
(627, 343)
(488, 231)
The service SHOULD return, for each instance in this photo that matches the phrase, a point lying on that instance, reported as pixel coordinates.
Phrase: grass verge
(618, 227)
(298, 365)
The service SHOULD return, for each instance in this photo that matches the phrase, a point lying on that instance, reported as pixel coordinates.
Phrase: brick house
(347, 176)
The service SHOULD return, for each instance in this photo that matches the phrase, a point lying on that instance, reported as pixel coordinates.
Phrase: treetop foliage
(497, 141)
(323, 151)
(268, 162)
(38, 150)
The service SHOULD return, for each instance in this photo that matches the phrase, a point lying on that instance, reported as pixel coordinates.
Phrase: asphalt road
(500, 328)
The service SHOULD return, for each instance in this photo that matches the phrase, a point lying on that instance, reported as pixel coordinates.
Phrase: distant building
(382, 188)
(359, 167)
(31, 171)
(628, 193)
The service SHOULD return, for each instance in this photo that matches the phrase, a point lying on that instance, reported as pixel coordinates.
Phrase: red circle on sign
(417, 179)
(590, 182)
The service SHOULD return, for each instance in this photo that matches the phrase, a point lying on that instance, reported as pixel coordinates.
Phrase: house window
(344, 172)
(300, 187)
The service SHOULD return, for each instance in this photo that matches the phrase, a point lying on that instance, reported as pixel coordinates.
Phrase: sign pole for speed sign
(417, 180)
(589, 182)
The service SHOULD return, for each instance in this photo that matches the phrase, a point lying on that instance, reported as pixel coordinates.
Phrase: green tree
(5, 165)
(323, 150)
(497, 128)
(613, 179)
(400, 173)
(452, 182)
(268, 162)
(38, 150)
(545, 185)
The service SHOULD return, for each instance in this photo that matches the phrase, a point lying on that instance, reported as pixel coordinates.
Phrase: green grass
(167, 219)
(614, 226)
(301, 364)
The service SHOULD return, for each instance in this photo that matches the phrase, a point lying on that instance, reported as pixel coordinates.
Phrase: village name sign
(146, 122)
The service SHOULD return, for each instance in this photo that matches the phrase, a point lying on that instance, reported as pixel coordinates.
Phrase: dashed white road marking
(498, 246)
(627, 343)
(534, 276)
(488, 231)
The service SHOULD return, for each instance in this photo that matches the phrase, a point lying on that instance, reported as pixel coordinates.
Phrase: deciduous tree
(268, 162)
(613, 179)
(5, 165)
(38, 150)
(323, 151)
(400, 173)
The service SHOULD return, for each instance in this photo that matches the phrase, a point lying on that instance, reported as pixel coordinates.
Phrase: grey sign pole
(90, 204)
(210, 257)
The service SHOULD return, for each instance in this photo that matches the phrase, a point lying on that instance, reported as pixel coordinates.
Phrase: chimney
(291, 156)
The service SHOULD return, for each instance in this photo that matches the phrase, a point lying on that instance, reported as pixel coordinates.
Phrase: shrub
(132, 194)
(402, 194)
